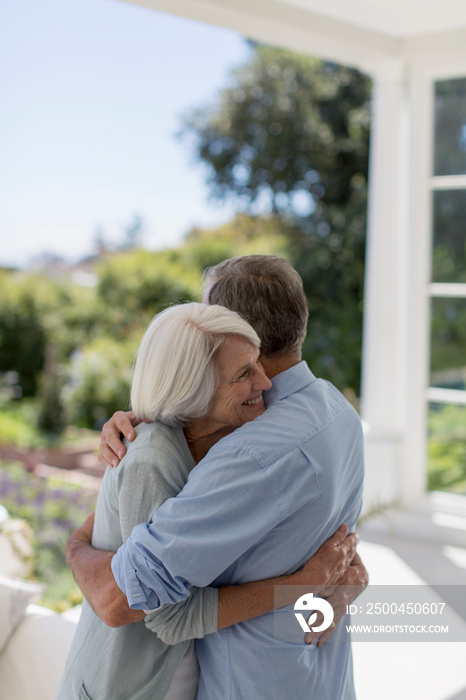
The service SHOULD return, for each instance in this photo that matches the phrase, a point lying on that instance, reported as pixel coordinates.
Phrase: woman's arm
(151, 473)
(238, 603)
(249, 600)
(235, 603)
(92, 571)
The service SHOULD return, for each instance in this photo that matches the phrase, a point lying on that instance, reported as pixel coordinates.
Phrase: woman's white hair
(175, 374)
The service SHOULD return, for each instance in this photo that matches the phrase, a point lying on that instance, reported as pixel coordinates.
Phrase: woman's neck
(201, 437)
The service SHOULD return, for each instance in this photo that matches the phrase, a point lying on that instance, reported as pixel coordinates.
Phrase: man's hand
(112, 449)
(350, 585)
(331, 561)
(92, 572)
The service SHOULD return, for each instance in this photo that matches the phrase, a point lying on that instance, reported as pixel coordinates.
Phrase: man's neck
(275, 365)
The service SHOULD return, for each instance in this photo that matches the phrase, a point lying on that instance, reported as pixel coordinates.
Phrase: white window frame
(447, 511)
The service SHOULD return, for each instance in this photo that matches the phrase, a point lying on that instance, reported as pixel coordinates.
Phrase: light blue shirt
(258, 505)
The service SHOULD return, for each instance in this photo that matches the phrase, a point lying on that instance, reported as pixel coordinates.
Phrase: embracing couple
(245, 482)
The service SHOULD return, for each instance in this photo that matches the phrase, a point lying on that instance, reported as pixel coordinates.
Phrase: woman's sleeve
(142, 488)
(193, 618)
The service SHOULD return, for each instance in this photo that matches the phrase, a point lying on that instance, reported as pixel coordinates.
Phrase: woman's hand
(121, 425)
(348, 588)
(337, 563)
(331, 560)
(319, 574)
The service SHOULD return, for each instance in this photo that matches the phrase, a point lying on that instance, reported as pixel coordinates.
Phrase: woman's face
(238, 397)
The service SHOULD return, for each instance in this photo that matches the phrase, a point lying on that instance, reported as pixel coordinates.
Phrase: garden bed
(54, 502)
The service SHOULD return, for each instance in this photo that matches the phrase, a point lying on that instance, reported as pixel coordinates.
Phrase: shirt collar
(289, 382)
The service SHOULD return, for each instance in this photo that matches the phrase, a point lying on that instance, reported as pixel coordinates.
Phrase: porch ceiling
(396, 18)
(363, 33)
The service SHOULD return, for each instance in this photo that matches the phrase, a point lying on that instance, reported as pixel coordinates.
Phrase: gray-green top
(132, 661)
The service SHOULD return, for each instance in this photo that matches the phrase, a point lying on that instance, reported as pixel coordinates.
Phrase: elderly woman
(198, 377)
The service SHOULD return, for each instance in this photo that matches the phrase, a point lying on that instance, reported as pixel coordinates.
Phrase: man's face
(238, 397)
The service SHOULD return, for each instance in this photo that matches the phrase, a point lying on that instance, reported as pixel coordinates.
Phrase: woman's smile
(253, 402)
(238, 397)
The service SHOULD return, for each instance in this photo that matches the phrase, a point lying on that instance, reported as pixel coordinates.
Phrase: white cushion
(15, 596)
(34, 659)
(16, 558)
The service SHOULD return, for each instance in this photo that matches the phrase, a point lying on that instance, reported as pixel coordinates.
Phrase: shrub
(447, 448)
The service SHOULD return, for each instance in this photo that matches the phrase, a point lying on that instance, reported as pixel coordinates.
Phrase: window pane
(448, 343)
(450, 127)
(447, 448)
(449, 244)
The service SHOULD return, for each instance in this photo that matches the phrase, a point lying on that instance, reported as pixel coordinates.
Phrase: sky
(92, 96)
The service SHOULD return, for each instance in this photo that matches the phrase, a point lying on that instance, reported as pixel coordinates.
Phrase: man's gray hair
(268, 292)
(175, 374)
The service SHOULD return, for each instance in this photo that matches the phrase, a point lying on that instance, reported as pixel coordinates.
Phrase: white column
(413, 466)
(385, 308)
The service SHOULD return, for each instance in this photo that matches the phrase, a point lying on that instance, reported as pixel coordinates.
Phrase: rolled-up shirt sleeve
(142, 577)
(229, 503)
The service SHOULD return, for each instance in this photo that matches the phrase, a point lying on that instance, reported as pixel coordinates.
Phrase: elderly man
(258, 505)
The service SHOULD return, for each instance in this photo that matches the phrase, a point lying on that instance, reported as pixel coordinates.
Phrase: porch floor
(410, 670)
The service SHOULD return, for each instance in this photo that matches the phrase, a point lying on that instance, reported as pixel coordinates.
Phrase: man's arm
(230, 503)
(92, 571)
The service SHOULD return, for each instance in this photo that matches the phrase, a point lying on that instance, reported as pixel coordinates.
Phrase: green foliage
(449, 240)
(35, 312)
(332, 268)
(290, 135)
(244, 235)
(136, 285)
(73, 348)
(447, 448)
(52, 418)
(18, 424)
(54, 509)
(100, 376)
(448, 342)
(287, 123)
(450, 117)
(75, 319)
(22, 333)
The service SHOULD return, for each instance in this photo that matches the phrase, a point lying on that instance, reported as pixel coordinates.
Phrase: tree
(51, 418)
(22, 332)
(290, 137)
(244, 235)
(447, 448)
(135, 285)
(99, 379)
